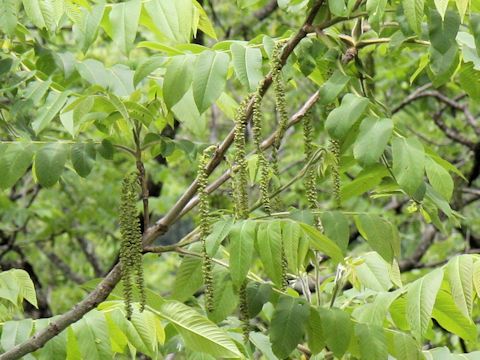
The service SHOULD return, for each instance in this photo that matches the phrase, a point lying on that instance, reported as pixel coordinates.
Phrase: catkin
(280, 102)
(310, 177)
(131, 247)
(240, 176)
(241, 197)
(335, 150)
(262, 162)
(204, 207)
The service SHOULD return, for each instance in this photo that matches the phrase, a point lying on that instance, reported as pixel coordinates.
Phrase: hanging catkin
(335, 150)
(240, 181)
(310, 179)
(131, 247)
(280, 103)
(204, 207)
(262, 163)
(240, 175)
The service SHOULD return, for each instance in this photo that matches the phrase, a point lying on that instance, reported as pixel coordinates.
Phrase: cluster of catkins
(131, 247)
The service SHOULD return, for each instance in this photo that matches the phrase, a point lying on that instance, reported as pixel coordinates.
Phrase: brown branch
(266, 11)
(103, 289)
(61, 265)
(414, 261)
(89, 252)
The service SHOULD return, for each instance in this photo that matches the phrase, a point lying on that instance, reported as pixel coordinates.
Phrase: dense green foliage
(250, 179)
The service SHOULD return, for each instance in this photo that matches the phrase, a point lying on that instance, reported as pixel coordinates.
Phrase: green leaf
(14, 161)
(86, 30)
(269, 247)
(475, 29)
(199, 333)
(242, 237)
(338, 328)
(35, 13)
(420, 301)
(458, 273)
(83, 158)
(366, 180)
(124, 21)
(442, 32)
(174, 19)
(262, 343)
(322, 243)
(462, 6)
(439, 178)
(209, 78)
(225, 299)
(380, 234)
(54, 104)
(92, 336)
(8, 16)
(476, 277)
(247, 62)
(257, 296)
(408, 163)
(403, 346)
(441, 6)
(294, 245)
(49, 162)
(373, 273)
(341, 119)
(315, 334)
(371, 341)
(290, 313)
(451, 318)
(94, 72)
(376, 9)
(333, 87)
(336, 228)
(26, 286)
(177, 80)
(189, 277)
(372, 139)
(15, 332)
(414, 10)
(147, 66)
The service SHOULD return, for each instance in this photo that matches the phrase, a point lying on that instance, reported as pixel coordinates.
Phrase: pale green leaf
(242, 237)
(247, 62)
(414, 10)
(451, 318)
(268, 244)
(322, 243)
(209, 78)
(48, 112)
(124, 22)
(420, 301)
(458, 273)
(178, 79)
(199, 333)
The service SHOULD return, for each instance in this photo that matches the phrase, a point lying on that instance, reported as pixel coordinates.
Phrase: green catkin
(204, 207)
(280, 102)
(335, 150)
(244, 318)
(240, 175)
(262, 162)
(240, 181)
(310, 177)
(131, 247)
